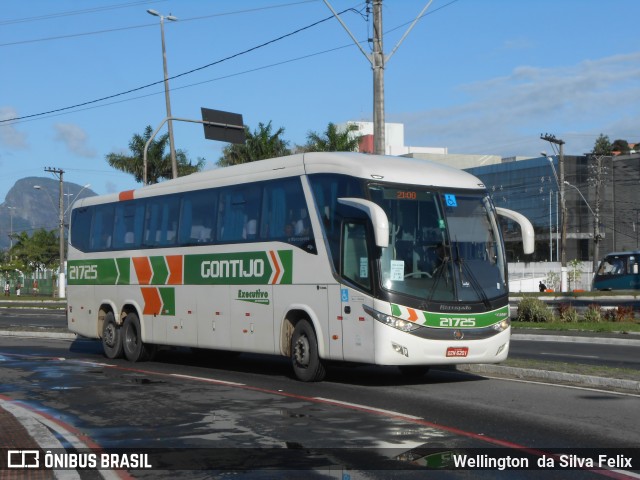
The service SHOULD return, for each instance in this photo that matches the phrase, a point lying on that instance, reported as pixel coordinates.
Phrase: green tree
(602, 146)
(158, 162)
(260, 144)
(621, 146)
(36, 252)
(333, 140)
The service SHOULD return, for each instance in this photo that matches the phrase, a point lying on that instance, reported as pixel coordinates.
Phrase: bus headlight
(390, 320)
(502, 326)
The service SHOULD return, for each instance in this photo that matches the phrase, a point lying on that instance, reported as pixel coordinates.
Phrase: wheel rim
(131, 337)
(301, 351)
(110, 335)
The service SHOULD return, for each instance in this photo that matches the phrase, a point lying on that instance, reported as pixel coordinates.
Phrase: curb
(534, 337)
(42, 334)
(573, 378)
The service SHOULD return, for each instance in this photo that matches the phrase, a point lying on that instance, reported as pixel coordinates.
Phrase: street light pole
(563, 208)
(172, 148)
(596, 226)
(61, 275)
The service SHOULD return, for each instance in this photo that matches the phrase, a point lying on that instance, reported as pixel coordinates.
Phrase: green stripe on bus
(454, 319)
(168, 296)
(124, 269)
(160, 270)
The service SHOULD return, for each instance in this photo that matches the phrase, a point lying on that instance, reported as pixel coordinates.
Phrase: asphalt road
(249, 412)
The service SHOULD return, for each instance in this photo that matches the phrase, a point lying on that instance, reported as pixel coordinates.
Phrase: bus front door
(357, 326)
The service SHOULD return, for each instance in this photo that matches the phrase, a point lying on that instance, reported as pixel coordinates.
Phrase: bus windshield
(444, 246)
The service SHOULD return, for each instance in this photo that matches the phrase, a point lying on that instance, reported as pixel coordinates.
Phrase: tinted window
(161, 221)
(262, 211)
(80, 225)
(101, 235)
(198, 217)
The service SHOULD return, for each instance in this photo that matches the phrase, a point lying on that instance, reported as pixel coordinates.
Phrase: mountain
(32, 203)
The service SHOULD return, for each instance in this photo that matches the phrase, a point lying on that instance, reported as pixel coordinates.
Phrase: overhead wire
(193, 70)
(149, 25)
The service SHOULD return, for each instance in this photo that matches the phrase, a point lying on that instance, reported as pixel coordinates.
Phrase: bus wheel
(307, 365)
(134, 349)
(111, 337)
(413, 371)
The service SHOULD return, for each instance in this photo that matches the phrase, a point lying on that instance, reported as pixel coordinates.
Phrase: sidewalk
(15, 436)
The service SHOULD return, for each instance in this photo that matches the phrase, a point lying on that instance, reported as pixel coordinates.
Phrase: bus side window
(128, 224)
(199, 209)
(231, 219)
(102, 228)
(160, 225)
(80, 223)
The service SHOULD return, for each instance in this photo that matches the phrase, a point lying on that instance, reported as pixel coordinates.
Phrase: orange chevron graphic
(143, 270)
(413, 315)
(152, 301)
(174, 262)
(276, 266)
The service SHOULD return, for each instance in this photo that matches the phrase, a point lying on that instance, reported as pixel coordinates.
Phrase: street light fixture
(172, 149)
(77, 195)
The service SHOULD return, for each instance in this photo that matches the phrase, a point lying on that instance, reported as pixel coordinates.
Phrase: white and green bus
(318, 257)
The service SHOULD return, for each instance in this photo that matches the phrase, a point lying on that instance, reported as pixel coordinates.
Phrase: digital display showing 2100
(406, 194)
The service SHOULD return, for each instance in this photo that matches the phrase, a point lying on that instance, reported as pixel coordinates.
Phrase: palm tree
(158, 163)
(259, 145)
(333, 140)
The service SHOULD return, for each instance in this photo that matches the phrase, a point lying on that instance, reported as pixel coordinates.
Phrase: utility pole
(563, 207)
(378, 61)
(61, 277)
(172, 148)
(596, 179)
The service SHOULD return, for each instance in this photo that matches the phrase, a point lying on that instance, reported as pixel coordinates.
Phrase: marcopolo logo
(242, 268)
(253, 296)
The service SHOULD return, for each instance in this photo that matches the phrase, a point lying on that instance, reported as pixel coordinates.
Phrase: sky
(78, 79)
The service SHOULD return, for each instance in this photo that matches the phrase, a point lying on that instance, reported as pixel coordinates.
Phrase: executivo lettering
(254, 296)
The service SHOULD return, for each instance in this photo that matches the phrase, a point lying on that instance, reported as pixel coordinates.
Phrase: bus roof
(401, 170)
(628, 252)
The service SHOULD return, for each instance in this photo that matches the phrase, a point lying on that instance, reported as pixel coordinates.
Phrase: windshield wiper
(440, 269)
(473, 281)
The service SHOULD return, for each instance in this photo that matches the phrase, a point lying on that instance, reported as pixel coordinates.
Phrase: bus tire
(134, 349)
(111, 337)
(306, 362)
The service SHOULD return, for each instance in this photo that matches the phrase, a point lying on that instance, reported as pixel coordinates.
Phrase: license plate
(457, 351)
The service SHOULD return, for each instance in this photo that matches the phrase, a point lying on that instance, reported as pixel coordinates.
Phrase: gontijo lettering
(237, 268)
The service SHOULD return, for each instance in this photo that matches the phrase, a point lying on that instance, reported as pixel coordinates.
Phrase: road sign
(223, 126)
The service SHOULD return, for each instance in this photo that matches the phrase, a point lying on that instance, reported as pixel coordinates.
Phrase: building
(529, 186)
(393, 136)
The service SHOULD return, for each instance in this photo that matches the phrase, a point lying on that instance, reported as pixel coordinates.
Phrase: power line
(148, 25)
(58, 111)
(230, 57)
(76, 12)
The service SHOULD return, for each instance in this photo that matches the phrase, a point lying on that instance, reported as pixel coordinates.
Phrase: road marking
(367, 408)
(43, 428)
(575, 387)
(569, 355)
(208, 380)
